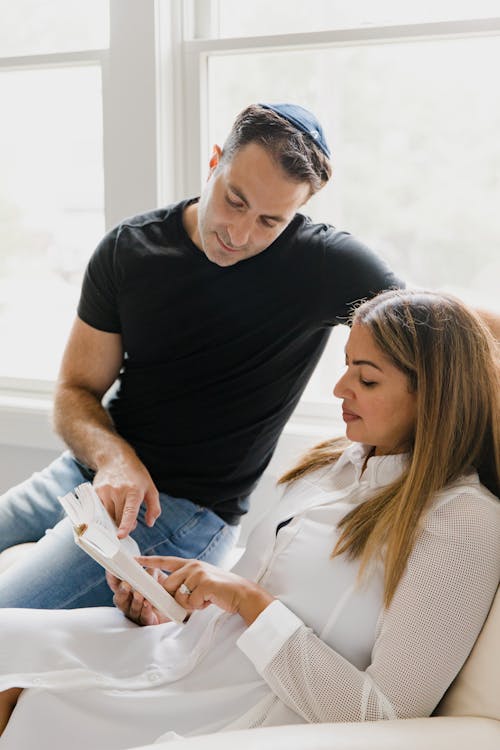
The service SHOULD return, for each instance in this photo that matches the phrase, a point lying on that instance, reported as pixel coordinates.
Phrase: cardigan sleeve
(422, 639)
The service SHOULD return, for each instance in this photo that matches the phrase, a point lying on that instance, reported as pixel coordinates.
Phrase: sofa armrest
(436, 733)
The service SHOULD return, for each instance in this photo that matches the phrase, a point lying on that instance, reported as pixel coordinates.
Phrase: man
(211, 314)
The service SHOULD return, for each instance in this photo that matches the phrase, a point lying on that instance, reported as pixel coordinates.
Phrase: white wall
(17, 463)
(27, 441)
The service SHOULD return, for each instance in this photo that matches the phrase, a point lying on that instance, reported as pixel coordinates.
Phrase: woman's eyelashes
(363, 381)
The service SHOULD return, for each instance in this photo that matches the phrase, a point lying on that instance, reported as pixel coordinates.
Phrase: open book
(96, 533)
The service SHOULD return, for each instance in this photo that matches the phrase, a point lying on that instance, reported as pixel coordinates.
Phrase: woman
(360, 595)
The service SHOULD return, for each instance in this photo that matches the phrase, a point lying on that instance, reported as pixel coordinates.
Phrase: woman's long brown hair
(452, 363)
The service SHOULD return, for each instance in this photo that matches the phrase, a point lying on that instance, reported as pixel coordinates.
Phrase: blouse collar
(379, 471)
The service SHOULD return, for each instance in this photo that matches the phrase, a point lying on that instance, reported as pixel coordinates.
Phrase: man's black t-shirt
(216, 359)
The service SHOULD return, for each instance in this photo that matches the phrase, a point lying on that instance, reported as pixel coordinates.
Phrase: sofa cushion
(476, 689)
(404, 734)
(12, 554)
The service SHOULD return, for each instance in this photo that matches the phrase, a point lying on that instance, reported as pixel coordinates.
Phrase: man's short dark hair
(294, 151)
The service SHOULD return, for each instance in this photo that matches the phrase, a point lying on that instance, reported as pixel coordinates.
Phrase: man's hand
(123, 484)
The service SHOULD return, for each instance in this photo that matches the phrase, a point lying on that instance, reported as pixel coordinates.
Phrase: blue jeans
(56, 574)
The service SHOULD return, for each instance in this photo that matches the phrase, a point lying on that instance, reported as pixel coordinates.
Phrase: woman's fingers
(162, 562)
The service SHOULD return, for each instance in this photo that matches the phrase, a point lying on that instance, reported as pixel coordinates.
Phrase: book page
(96, 533)
(84, 506)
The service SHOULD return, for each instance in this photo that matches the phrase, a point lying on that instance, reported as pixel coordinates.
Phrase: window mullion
(129, 111)
(174, 92)
(206, 19)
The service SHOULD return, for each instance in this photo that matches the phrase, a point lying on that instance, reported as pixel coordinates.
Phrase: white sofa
(410, 734)
(468, 717)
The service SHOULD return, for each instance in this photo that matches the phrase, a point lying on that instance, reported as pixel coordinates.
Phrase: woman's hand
(194, 585)
(206, 584)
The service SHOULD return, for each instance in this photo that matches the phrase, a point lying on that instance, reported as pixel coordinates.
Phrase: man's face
(246, 204)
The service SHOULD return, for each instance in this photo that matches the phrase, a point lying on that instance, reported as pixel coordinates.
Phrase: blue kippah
(303, 120)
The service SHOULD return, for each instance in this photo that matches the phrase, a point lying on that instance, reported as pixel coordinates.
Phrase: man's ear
(214, 159)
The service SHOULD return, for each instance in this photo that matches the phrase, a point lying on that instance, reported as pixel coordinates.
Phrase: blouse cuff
(262, 640)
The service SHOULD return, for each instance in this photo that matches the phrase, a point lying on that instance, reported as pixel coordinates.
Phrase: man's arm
(91, 363)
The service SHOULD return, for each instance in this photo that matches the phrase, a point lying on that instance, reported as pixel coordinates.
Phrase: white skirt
(97, 680)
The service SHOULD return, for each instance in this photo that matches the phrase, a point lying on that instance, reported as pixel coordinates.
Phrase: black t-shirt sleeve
(98, 305)
(351, 273)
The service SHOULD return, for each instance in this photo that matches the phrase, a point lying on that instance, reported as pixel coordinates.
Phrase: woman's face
(377, 406)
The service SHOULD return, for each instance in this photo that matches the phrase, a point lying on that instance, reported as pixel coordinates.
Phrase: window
(233, 18)
(78, 149)
(51, 182)
(113, 107)
(408, 100)
(30, 27)
(52, 208)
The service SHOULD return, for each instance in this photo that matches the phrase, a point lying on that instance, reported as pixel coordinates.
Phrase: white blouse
(327, 650)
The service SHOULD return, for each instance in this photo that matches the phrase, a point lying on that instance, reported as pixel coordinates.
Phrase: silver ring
(183, 589)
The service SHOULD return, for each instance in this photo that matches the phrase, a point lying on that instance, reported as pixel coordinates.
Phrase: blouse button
(37, 680)
(153, 676)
